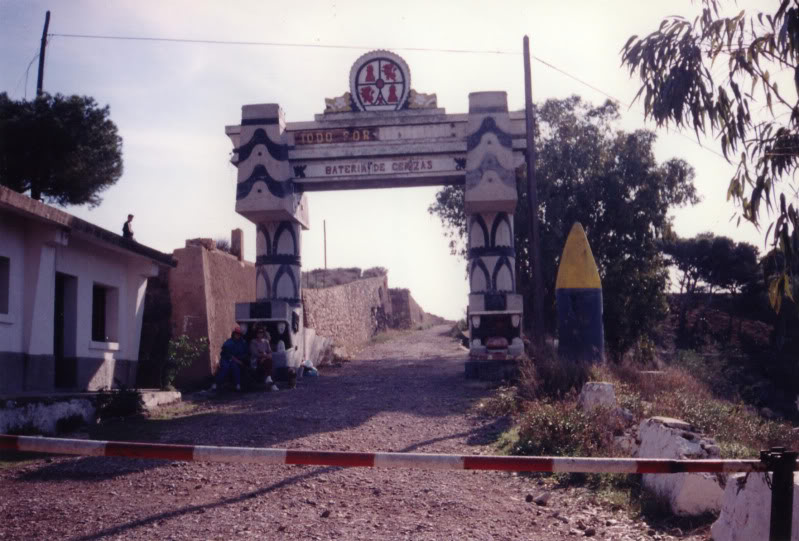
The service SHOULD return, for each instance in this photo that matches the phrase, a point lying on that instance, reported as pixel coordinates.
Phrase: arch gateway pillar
(383, 134)
(267, 196)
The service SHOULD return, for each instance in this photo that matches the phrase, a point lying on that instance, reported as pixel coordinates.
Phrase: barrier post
(782, 463)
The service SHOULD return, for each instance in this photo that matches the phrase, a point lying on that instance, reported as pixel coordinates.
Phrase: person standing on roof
(232, 359)
(127, 228)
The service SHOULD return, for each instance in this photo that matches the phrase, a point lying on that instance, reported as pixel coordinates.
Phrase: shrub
(181, 353)
(560, 429)
(504, 402)
(123, 402)
(543, 375)
(223, 245)
(682, 393)
(374, 271)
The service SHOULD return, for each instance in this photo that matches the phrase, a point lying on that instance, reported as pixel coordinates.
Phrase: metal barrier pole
(783, 464)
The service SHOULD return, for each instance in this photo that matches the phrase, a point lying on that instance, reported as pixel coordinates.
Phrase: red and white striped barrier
(423, 461)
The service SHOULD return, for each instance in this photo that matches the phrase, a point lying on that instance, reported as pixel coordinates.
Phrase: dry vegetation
(319, 278)
(548, 421)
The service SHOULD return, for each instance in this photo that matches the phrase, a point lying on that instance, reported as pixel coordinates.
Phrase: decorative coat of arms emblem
(380, 81)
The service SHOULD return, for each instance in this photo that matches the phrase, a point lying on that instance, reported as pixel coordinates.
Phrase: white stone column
(490, 202)
(267, 195)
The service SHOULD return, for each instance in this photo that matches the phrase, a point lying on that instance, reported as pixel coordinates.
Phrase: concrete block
(43, 418)
(746, 509)
(154, 399)
(687, 494)
(597, 394)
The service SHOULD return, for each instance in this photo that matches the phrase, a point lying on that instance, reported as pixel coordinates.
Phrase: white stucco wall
(36, 252)
(12, 247)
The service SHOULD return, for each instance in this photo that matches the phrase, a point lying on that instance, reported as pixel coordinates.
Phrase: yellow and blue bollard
(578, 293)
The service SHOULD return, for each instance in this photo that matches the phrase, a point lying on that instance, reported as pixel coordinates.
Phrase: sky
(171, 102)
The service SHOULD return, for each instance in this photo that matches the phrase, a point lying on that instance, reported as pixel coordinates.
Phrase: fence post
(782, 463)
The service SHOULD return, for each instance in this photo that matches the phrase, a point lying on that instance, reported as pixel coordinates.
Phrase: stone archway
(383, 134)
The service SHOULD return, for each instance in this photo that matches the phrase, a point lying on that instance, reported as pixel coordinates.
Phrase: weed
(543, 375)
(681, 392)
(27, 429)
(504, 402)
(560, 429)
(123, 402)
(388, 335)
(69, 424)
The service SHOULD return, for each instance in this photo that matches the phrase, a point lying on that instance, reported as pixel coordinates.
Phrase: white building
(71, 299)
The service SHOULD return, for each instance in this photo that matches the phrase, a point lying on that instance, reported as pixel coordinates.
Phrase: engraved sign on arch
(380, 81)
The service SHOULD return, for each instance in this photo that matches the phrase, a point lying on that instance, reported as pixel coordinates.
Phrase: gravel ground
(404, 395)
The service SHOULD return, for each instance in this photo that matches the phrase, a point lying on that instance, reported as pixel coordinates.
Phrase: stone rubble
(687, 494)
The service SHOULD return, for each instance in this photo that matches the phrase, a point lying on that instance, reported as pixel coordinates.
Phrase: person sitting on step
(261, 358)
(232, 359)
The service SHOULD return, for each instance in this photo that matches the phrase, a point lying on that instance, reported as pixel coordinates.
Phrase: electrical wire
(279, 44)
(362, 47)
(25, 76)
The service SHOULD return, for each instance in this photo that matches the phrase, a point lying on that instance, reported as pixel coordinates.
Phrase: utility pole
(40, 80)
(532, 202)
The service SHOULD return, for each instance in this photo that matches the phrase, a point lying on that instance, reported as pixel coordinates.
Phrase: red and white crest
(380, 81)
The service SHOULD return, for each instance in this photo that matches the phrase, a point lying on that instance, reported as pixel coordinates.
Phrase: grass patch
(173, 411)
(15, 459)
(561, 429)
(504, 401)
(547, 422)
(388, 335)
(677, 392)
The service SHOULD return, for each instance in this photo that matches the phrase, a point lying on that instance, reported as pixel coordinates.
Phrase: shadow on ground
(340, 399)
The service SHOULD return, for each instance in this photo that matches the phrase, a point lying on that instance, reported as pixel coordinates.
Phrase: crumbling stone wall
(350, 314)
(406, 313)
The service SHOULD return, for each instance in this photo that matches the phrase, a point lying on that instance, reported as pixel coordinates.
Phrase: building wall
(37, 252)
(350, 314)
(12, 246)
(203, 289)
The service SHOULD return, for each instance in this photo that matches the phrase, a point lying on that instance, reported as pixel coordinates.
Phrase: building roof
(23, 205)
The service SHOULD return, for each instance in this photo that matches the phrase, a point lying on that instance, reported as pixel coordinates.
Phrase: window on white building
(105, 310)
(5, 283)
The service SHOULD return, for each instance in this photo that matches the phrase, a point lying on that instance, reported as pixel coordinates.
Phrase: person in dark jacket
(127, 228)
(232, 359)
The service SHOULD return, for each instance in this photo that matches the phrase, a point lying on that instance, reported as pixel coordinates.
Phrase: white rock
(596, 394)
(43, 418)
(627, 443)
(687, 494)
(746, 509)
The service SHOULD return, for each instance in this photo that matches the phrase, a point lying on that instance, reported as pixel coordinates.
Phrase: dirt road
(406, 394)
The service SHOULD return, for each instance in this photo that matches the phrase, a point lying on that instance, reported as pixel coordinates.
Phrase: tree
(679, 88)
(713, 263)
(588, 171)
(65, 150)
(688, 256)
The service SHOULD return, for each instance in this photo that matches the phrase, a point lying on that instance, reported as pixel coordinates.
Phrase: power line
(25, 77)
(363, 47)
(280, 44)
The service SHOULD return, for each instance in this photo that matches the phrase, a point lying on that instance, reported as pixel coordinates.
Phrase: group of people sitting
(254, 358)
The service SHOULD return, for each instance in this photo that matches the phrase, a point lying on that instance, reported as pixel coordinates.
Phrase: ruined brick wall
(207, 283)
(203, 289)
(406, 313)
(350, 314)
